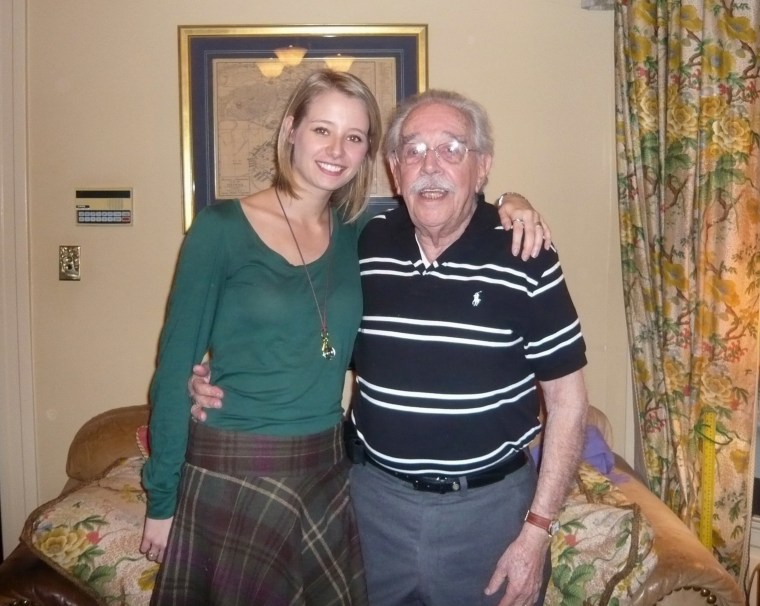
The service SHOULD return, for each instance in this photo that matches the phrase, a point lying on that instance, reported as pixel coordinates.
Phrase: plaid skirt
(263, 521)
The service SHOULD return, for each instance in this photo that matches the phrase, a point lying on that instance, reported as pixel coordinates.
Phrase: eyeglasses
(452, 152)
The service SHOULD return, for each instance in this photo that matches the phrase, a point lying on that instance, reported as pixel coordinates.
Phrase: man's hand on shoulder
(531, 231)
(202, 393)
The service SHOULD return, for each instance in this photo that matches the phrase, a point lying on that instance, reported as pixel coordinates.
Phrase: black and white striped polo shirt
(448, 356)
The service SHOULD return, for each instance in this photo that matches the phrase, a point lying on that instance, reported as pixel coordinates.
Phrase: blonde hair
(353, 197)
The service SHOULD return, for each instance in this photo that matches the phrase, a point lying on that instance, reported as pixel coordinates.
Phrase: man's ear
(484, 167)
(395, 169)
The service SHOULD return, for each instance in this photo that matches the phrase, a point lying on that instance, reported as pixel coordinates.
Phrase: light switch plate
(68, 262)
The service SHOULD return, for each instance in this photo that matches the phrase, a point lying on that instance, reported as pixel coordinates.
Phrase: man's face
(440, 195)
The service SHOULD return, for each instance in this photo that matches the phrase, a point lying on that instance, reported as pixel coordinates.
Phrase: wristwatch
(551, 526)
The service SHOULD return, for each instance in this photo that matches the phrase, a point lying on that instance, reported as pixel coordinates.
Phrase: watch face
(553, 527)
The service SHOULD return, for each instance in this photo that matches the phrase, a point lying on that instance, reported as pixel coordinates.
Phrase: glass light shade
(339, 63)
(291, 55)
(271, 68)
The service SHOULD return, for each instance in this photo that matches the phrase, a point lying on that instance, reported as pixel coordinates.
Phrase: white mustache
(431, 182)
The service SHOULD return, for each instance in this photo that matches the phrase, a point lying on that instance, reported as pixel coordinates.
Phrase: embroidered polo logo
(476, 298)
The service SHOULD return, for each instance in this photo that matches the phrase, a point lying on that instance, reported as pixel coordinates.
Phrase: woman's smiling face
(331, 141)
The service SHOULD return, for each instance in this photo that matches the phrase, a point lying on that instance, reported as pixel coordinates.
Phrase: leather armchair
(25, 579)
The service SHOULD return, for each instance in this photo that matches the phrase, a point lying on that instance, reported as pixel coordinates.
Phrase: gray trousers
(427, 549)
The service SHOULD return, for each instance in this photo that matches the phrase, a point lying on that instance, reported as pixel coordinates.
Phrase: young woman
(252, 506)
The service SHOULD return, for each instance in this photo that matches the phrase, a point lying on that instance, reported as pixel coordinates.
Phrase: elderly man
(457, 334)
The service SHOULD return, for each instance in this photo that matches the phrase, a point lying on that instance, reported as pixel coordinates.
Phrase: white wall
(103, 104)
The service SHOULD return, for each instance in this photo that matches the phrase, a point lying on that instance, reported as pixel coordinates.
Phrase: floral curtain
(688, 132)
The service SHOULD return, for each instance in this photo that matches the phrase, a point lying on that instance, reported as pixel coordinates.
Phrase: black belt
(443, 484)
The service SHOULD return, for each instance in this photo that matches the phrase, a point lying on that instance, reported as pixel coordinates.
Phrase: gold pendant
(328, 351)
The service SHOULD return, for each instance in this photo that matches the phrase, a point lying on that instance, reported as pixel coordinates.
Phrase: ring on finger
(518, 221)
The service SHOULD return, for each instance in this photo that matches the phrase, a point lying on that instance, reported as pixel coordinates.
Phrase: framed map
(235, 82)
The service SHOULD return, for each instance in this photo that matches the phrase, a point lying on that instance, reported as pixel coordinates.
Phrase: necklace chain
(328, 351)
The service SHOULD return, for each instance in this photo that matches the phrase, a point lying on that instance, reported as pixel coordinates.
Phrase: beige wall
(103, 112)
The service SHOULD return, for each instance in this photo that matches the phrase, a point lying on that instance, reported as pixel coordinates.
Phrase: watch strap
(548, 525)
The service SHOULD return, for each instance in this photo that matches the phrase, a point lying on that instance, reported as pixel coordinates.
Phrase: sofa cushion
(603, 551)
(92, 536)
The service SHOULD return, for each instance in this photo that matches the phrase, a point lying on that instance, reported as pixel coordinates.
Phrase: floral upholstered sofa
(618, 543)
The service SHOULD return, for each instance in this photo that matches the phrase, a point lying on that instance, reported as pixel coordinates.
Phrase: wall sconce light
(339, 63)
(271, 68)
(291, 55)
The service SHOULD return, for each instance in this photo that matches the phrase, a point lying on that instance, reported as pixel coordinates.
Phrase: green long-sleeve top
(255, 314)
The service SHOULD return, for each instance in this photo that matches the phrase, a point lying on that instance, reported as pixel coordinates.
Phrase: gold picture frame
(235, 80)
